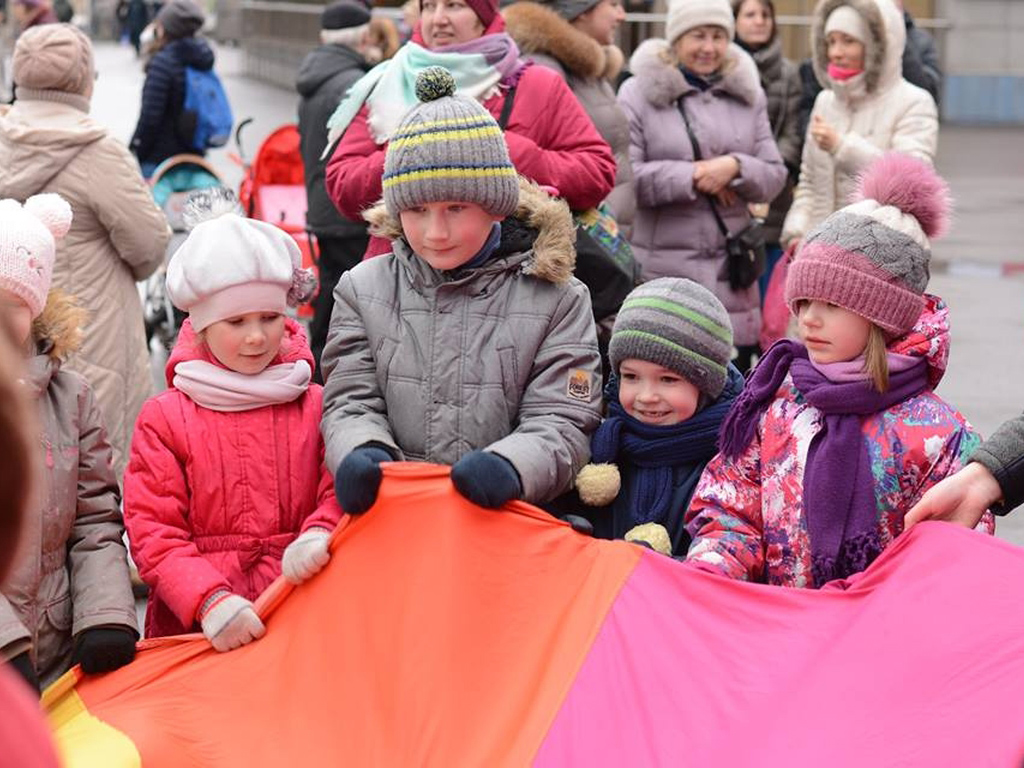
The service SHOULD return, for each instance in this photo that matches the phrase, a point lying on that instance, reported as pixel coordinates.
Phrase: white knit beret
(230, 265)
(28, 246)
(684, 15)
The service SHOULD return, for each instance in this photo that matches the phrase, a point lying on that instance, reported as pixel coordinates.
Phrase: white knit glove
(306, 555)
(230, 622)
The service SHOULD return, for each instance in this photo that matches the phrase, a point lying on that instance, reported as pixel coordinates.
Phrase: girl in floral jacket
(225, 476)
(835, 438)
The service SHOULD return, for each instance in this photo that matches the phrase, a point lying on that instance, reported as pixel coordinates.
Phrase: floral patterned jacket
(746, 516)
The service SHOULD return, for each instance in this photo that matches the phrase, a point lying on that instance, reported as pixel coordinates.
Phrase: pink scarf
(840, 74)
(219, 389)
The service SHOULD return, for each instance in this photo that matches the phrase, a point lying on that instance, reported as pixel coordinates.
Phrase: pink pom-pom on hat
(872, 257)
(28, 248)
(912, 186)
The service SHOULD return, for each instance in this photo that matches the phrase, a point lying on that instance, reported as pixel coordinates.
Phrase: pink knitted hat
(872, 257)
(28, 246)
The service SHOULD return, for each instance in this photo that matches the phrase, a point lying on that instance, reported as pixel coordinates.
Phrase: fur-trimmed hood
(57, 334)
(656, 68)
(58, 329)
(540, 30)
(883, 56)
(553, 255)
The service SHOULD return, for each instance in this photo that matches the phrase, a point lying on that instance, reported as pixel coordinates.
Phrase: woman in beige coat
(49, 143)
(866, 108)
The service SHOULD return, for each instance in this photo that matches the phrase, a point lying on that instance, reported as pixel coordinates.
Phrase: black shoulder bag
(745, 250)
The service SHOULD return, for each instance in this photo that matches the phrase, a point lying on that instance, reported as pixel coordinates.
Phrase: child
(68, 598)
(673, 385)
(226, 465)
(835, 438)
(470, 344)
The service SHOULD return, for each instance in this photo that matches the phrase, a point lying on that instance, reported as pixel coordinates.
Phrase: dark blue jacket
(159, 134)
(324, 78)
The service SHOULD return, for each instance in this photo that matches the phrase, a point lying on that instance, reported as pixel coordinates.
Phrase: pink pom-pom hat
(872, 257)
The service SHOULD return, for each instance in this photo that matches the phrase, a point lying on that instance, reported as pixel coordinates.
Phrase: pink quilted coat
(212, 499)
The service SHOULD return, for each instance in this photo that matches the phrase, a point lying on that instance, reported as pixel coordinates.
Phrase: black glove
(486, 479)
(579, 524)
(102, 649)
(22, 664)
(358, 478)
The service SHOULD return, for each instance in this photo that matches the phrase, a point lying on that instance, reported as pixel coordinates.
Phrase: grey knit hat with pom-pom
(678, 324)
(448, 149)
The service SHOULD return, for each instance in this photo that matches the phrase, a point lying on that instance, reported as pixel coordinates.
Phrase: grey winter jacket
(324, 78)
(675, 233)
(436, 364)
(72, 570)
(1003, 456)
(589, 70)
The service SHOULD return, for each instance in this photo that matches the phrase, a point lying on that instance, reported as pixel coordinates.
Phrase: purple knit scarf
(838, 487)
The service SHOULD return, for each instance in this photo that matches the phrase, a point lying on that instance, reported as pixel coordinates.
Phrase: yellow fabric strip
(85, 741)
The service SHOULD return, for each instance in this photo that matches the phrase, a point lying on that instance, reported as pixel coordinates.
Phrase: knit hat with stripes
(677, 324)
(448, 149)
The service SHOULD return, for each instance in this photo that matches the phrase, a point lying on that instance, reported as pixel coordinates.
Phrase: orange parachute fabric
(442, 634)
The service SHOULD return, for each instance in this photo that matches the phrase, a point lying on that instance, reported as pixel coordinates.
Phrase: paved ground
(978, 269)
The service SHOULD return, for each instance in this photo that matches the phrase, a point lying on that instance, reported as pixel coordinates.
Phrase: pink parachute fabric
(442, 634)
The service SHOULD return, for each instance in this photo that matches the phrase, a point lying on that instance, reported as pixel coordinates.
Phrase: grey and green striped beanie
(448, 148)
(678, 324)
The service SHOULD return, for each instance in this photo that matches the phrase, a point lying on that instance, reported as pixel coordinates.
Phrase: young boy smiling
(471, 344)
(673, 385)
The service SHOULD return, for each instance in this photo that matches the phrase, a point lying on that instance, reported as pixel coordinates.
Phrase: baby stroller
(273, 190)
(171, 182)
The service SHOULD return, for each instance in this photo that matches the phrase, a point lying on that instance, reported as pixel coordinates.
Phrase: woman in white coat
(865, 109)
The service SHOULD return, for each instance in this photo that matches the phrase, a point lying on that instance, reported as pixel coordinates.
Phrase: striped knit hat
(448, 148)
(677, 324)
(872, 257)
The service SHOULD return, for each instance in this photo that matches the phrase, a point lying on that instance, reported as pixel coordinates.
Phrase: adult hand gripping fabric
(357, 479)
(486, 479)
(230, 621)
(102, 649)
(306, 555)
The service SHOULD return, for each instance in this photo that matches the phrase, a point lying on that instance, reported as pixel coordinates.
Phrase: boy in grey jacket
(471, 344)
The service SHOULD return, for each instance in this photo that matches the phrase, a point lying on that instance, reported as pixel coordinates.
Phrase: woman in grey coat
(576, 39)
(675, 233)
(758, 35)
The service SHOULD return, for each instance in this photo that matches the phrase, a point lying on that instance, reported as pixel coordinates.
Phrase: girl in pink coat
(226, 472)
(835, 438)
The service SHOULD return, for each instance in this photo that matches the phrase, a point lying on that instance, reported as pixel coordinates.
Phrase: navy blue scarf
(654, 451)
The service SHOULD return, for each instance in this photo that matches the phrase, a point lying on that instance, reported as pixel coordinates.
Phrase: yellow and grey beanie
(448, 148)
(677, 324)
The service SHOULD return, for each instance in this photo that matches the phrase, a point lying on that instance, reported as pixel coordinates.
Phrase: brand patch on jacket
(579, 385)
